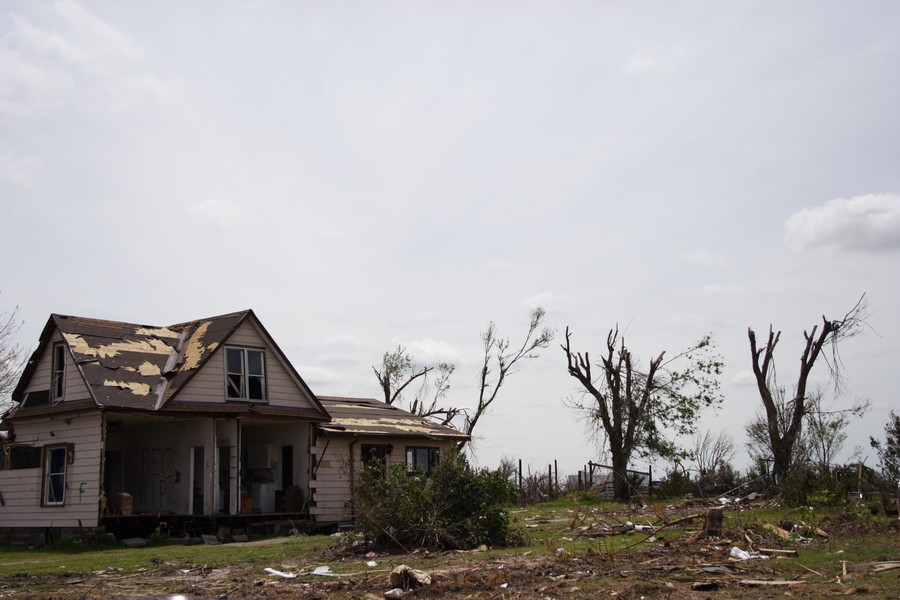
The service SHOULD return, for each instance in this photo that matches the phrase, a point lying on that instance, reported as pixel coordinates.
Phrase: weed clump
(454, 507)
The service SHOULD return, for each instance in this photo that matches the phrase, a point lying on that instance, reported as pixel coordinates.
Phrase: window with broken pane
(57, 384)
(245, 374)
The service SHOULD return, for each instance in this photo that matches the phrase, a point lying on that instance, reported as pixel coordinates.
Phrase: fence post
(556, 477)
(520, 474)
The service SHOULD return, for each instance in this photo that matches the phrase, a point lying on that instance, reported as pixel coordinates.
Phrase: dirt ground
(698, 571)
(683, 565)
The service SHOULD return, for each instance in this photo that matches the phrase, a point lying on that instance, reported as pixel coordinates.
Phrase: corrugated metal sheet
(367, 416)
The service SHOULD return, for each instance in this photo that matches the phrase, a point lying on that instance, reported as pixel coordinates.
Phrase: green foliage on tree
(636, 410)
(455, 507)
(398, 370)
(889, 450)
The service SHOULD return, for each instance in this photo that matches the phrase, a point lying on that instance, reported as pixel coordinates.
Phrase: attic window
(245, 374)
(58, 374)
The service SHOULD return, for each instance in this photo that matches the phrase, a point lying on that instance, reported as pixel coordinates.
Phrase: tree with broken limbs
(784, 417)
(631, 408)
(398, 371)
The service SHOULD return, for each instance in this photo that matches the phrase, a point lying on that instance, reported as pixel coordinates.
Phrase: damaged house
(199, 424)
(363, 430)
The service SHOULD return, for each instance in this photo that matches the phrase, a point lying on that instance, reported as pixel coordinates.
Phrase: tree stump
(713, 527)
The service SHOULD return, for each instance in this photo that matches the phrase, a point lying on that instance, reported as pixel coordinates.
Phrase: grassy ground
(574, 549)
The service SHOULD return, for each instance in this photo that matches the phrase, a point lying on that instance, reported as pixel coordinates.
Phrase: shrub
(675, 485)
(455, 507)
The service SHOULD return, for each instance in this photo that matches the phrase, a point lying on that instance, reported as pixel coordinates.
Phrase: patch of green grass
(161, 558)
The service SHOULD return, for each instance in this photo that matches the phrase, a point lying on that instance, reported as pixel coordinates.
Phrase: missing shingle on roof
(149, 346)
(194, 350)
(160, 332)
(138, 389)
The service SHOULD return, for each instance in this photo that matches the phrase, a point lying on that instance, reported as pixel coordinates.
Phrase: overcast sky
(367, 174)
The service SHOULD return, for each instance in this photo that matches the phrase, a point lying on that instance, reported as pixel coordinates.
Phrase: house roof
(143, 367)
(367, 416)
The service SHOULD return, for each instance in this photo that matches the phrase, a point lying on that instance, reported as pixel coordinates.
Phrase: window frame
(58, 372)
(433, 458)
(47, 486)
(370, 453)
(23, 457)
(244, 374)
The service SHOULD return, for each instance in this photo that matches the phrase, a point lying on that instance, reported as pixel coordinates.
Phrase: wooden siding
(22, 489)
(75, 388)
(331, 487)
(281, 388)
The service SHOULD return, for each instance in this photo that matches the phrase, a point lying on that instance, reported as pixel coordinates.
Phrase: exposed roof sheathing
(141, 367)
(367, 416)
(124, 364)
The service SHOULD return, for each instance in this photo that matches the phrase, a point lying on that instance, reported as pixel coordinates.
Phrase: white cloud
(430, 351)
(498, 264)
(655, 60)
(219, 213)
(17, 171)
(134, 92)
(870, 222)
(714, 291)
(552, 303)
(76, 60)
(744, 378)
(27, 88)
(316, 377)
(93, 37)
(703, 258)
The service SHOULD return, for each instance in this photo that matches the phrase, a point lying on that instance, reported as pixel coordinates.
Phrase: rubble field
(613, 551)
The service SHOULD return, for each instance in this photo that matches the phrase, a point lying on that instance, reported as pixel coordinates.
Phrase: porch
(196, 471)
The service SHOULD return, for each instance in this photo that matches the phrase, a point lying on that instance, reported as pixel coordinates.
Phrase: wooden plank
(769, 583)
(778, 552)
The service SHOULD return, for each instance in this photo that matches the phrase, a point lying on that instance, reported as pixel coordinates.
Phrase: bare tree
(398, 372)
(499, 362)
(631, 406)
(12, 355)
(826, 428)
(712, 454)
(784, 419)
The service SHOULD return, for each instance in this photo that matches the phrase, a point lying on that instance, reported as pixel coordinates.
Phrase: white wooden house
(363, 429)
(200, 420)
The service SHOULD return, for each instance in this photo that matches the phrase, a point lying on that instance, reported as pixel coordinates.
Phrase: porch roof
(368, 416)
